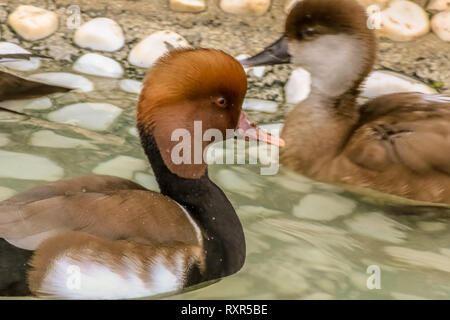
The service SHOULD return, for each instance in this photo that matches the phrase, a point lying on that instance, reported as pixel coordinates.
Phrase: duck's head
(189, 93)
(329, 38)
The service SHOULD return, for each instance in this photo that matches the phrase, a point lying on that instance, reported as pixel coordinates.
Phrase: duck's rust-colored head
(191, 91)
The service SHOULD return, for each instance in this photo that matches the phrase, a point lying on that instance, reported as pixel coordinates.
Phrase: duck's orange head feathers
(188, 85)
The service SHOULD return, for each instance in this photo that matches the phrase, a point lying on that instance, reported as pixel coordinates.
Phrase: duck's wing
(403, 141)
(13, 87)
(103, 206)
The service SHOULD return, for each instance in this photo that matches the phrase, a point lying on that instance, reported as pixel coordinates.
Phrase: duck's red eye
(221, 102)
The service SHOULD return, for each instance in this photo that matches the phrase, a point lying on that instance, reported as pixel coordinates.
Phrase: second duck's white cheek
(334, 61)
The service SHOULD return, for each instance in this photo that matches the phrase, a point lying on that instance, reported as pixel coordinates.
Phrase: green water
(305, 240)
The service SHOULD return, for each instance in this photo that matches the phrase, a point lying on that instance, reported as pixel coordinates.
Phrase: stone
(17, 64)
(98, 65)
(148, 50)
(188, 5)
(260, 105)
(253, 7)
(102, 34)
(6, 193)
(298, 86)
(64, 79)
(440, 24)
(33, 23)
(47, 138)
(93, 116)
(121, 166)
(438, 5)
(323, 207)
(27, 104)
(131, 86)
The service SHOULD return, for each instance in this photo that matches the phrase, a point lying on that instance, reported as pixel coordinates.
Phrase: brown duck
(397, 143)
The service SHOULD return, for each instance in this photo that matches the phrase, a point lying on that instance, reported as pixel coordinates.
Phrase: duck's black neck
(223, 236)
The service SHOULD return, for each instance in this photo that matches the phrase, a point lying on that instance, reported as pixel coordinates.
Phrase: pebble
(438, 5)
(233, 182)
(440, 24)
(98, 65)
(147, 180)
(404, 21)
(102, 34)
(148, 50)
(377, 226)
(20, 65)
(248, 212)
(380, 3)
(260, 105)
(64, 79)
(6, 193)
(323, 207)
(425, 259)
(133, 131)
(28, 167)
(298, 86)
(131, 86)
(93, 116)
(188, 5)
(253, 7)
(47, 138)
(121, 166)
(33, 23)
(29, 104)
(4, 139)
(385, 82)
(431, 226)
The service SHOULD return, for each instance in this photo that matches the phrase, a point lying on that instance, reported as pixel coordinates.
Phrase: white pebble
(148, 50)
(133, 131)
(440, 24)
(69, 80)
(380, 3)
(101, 34)
(6, 193)
(260, 105)
(254, 7)
(33, 23)
(131, 86)
(439, 5)
(17, 64)
(42, 103)
(121, 166)
(431, 226)
(323, 207)
(404, 21)
(298, 86)
(28, 167)
(385, 82)
(233, 182)
(98, 65)
(93, 116)
(147, 180)
(47, 138)
(420, 258)
(188, 5)
(377, 226)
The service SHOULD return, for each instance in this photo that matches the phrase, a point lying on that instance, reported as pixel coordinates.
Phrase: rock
(101, 34)
(298, 86)
(33, 23)
(29, 104)
(231, 181)
(420, 258)
(254, 7)
(403, 21)
(121, 166)
(6, 193)
(148, 50)
(133, 131)
(93, 116)
(323, 207)
(28, 167)
(439, 5)
(98, 65)
(440, 24)
(385, 82)
(131, 86)
(21, 65)
(260, 105)
(147, 180)
(188, 5)
(47, 138)
(431, 226)
(4, 139)
(377, 226)
(380, 3)
(289, 4)
(64, 79)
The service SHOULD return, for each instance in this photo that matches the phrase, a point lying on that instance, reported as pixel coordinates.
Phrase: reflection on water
(305, 240)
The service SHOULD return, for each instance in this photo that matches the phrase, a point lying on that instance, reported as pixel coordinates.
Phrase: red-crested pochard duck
(119, 239)
(13, 87)
(397, 143)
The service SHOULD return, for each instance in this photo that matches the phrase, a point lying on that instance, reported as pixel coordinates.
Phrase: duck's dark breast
(13, 269)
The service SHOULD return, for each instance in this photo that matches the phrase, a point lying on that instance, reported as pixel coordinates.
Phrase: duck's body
(119, 239)
(397, 143)
(13, 87)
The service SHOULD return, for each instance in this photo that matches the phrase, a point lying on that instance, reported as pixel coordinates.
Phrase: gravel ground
(427, 58)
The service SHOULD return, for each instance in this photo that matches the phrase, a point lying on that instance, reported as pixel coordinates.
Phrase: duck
(397, 144)
(13, 87)
(105, 237)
